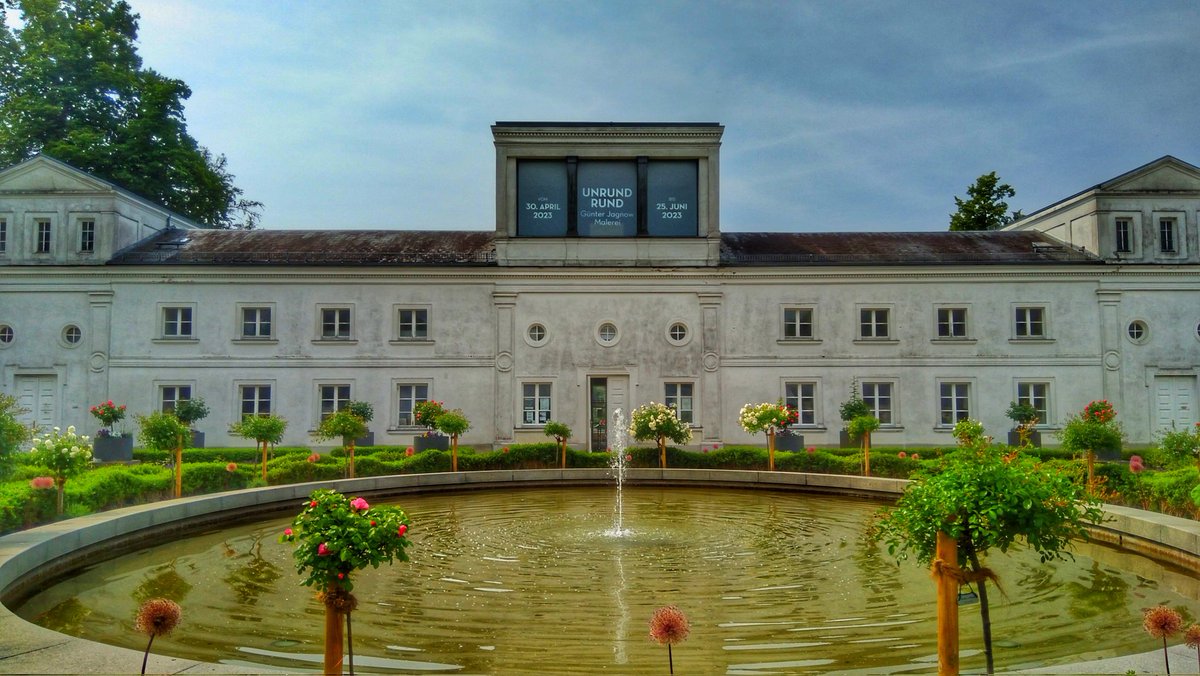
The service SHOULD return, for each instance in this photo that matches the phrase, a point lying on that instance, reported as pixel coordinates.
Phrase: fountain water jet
(618, 443)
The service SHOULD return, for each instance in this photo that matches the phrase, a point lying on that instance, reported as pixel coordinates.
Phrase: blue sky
(839, 116)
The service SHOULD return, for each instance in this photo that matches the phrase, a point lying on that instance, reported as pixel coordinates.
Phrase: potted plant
(426, 413)
(190, 411)
(1025, 418)
(263, 429)
(768, 418)
(109, 444)
(165, 432)
(1095, 433)
(861, 428)
(366, 411)
(852, 408)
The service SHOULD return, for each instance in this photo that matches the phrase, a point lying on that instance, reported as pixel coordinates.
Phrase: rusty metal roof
(313, 247)
(896, 248)
(475, 247)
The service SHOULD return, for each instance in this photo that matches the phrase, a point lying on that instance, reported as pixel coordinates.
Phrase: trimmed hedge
(222, 455)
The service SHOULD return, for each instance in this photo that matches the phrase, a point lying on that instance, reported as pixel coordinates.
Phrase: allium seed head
(158, 617)
(669, 626)
(1162, 622)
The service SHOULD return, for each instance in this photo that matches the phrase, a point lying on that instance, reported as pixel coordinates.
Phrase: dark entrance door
(598, 413)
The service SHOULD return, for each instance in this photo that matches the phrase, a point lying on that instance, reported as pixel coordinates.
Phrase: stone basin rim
(30, 558)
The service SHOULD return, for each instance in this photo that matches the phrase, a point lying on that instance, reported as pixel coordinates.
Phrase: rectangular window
(952, 322)
(169, 395)
(879, 399)
(412, 324)
(256, 322)
(873, 323)
(679, 397)
(955, 402)
(43, 235)
(535, 403)
(335, 323)
(1124, 233)
(803, 398)
(1030, 322)
(409, 395)
(1036, 395)
(798, 323)
(1166, 235)
(256, 400)
(3, 236)
(333, 398)
(177, 322)
(87, 236)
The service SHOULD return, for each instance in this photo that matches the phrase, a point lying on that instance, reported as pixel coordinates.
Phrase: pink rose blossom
(408, 452)
(916, 456)
(40, 482)
(313, 503)
(323, 550)
(314, 457)
(359, 505)
(231, 467)
(341, 576)
(287, 532)
(628, 457)
(401, 530)
(901, 455)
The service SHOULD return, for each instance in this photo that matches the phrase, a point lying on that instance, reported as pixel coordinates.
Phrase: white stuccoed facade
(707, 318)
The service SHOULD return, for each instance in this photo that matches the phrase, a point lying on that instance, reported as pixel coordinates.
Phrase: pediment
(1167, 173)
(45, 174)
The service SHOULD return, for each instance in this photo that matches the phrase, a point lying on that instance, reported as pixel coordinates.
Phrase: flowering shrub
(1099, 411)
(1094, 429)
(109, 413)
(426, 413)
(344, 424)
(1180, 445)
(337, 535)
(65, 455)
(658, 421)
(755, 418)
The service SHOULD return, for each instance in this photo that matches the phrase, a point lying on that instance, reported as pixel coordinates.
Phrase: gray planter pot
(844, 440)
(197, 439)
(367, 439)
(112, 449)
(1108, 454)
(437, 443)
(789, 442)
(1035, 438)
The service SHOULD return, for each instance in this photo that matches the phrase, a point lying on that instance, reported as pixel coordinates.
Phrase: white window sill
(1031, 341)
(876, 341)
(176, 341)
(335, 341)
(410, 341)
(799, 341)
(255, 341)
(953, 341)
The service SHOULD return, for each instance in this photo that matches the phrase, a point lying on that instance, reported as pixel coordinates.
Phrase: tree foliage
(13, 432)
(988, 498)
(73, 86)
(985, 208)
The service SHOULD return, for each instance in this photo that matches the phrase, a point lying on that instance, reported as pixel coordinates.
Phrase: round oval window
(1137, 331)
(607, 332)
(6, 334)
(72, 334)
(537, 333)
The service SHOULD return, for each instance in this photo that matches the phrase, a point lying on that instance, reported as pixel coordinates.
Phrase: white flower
(71, 430)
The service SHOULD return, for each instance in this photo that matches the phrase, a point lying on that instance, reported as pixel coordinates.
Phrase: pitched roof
(896, 248)
(473, 247)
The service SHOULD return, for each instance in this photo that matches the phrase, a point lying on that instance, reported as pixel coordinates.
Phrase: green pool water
(528, 581)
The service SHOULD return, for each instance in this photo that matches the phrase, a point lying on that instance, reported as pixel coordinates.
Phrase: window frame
(1045, 412)
(954, 410)
(322, 337)
(797, 401)
(798, 309)
(872, 400)
(164, 323)
(242, 309)
(178, 395)
(1123, 236)
(680, 398)
(43, 232)
(397, 420)
(4, 235)
(8, 335)
(342, 392)
(1168, 235)
(87, 235)
(1018, 325)
(241, 400)
(538, 397)
(875, 337)
(938, 323)
(1177, 230)
(69, 330)
(398, 323)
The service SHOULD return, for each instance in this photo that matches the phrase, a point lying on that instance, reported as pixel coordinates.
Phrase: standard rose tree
(335, 537)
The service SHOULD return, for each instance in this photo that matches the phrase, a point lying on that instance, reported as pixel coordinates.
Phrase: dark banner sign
(671, 208)
(542, 199)
(607, 199)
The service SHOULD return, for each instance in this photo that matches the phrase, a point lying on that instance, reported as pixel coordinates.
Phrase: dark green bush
(295, 468)
(239, 455)
(116, 486)
(215, 477)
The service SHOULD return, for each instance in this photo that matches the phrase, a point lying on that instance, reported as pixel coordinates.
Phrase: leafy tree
(986, 499)
(347, 426)
(562, 434)
(659, 422)
(985, 209)
(73, 86)
(455, 424)
(65, 455)
(13, 432)
(267, 429)
(162, 431)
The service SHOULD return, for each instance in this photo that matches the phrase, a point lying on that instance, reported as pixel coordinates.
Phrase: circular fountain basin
(533, 580)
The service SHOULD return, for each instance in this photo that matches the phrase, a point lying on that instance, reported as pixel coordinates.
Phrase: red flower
(323, 550)
(408, 452)
(669, 626)
(372, 522)
(341, 576)
(902, 455)
(401, 530)
(231, 467)
(628, 457)
(916, 456)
